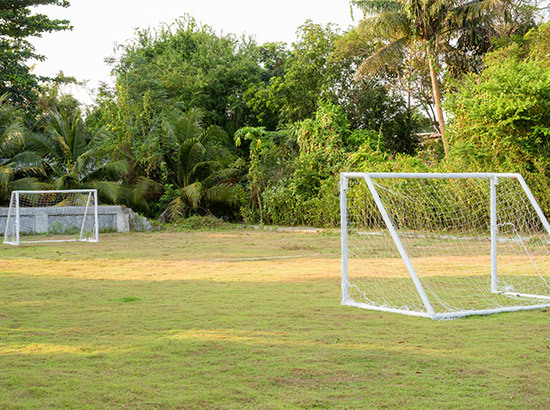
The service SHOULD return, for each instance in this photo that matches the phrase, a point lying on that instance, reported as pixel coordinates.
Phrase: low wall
(112, 218)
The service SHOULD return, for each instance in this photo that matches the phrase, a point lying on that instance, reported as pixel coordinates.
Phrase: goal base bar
(384, 309)
(525, 295)
(445, 316)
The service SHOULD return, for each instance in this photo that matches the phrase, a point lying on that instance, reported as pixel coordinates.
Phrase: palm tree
(402, 25)
(70, 157)
(17, 167)
(198, 164)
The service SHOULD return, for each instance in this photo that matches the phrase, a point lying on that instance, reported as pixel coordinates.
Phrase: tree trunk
(437, 102)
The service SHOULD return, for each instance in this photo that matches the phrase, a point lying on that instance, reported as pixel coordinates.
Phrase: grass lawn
(241, 319)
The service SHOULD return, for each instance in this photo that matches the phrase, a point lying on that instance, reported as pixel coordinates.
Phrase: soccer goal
(52, 216)
(443, 245)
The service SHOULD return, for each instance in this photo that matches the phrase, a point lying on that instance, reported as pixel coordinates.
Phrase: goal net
(52, 216)
(443, 245)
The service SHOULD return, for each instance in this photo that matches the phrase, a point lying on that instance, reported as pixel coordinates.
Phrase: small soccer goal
(443, 245)
(52, 216)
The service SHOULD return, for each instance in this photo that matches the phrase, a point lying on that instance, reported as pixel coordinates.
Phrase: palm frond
(105, 168)
(47, 146)
(66, 181)
(474, 12)
(28, 163)
(78, 136)
(143, 189)
(386, 26)
(192, 194)
(221, 194)
(6, 175)
(87, 167)
(194, 155)
(376, 6)
(390, 55)
(107, 189)
(223, 176)
(203, 169)
(12, 139)
(70, 130)
(27, 184)
(98, 138)
(187, 126)
(216, 135)
(176, 209)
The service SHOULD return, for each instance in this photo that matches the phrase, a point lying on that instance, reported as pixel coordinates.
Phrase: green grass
(246, 319)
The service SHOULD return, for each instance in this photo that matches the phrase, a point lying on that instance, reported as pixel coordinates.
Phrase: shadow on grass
(73, 342)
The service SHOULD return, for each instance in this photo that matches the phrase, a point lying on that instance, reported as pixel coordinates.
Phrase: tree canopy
(17, 24)
(431, 30)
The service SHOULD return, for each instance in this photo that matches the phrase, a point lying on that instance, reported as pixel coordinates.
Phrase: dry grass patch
(295, 270)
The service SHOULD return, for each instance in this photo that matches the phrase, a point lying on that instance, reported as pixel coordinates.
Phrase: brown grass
(299, 269)
(517, 265)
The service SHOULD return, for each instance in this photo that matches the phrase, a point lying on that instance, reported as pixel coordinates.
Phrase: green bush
(501, 117)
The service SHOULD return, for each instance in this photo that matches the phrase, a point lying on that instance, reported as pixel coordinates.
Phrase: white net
(444, 227)
(51, 216)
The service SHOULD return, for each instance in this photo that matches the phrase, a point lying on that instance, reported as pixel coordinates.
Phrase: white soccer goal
(443, 245)
(52, 216)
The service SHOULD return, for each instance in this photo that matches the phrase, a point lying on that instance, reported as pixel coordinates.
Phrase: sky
(100, 24)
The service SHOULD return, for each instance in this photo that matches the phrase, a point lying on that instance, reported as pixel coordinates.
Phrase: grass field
(241, 319)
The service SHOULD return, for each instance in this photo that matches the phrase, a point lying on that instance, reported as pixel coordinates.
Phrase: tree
(70, 157)
(432, 25)
(316, 70)
(500, 118)
(165, 72)
(307, 75)
(259, 97)
(17, 167)
(17, 23)
(187, 65)
(269, 157)
(198, 167)
(309, 194)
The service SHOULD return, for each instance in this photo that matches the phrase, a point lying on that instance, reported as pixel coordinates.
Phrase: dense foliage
(17, 24)
(202, 123)
(501, 117)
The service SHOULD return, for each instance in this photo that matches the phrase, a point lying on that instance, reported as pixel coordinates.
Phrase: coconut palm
(70, 157)
(17, 166)
(198, 164)
(432, 25)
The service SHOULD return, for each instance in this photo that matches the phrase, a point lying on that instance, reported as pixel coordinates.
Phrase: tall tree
(187, 65)
(431, 25)
(17, 24)
(306, 75)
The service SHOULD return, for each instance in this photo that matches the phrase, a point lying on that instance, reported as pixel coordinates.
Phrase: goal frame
(493, 180)
(14, 204)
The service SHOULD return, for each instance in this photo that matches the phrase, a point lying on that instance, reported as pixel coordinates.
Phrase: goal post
(443, 245)
(52, 216)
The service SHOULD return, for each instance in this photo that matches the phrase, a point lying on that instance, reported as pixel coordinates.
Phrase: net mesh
(444, 226)
(51, 216)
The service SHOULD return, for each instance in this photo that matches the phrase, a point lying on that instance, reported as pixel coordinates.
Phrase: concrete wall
(114, 218)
